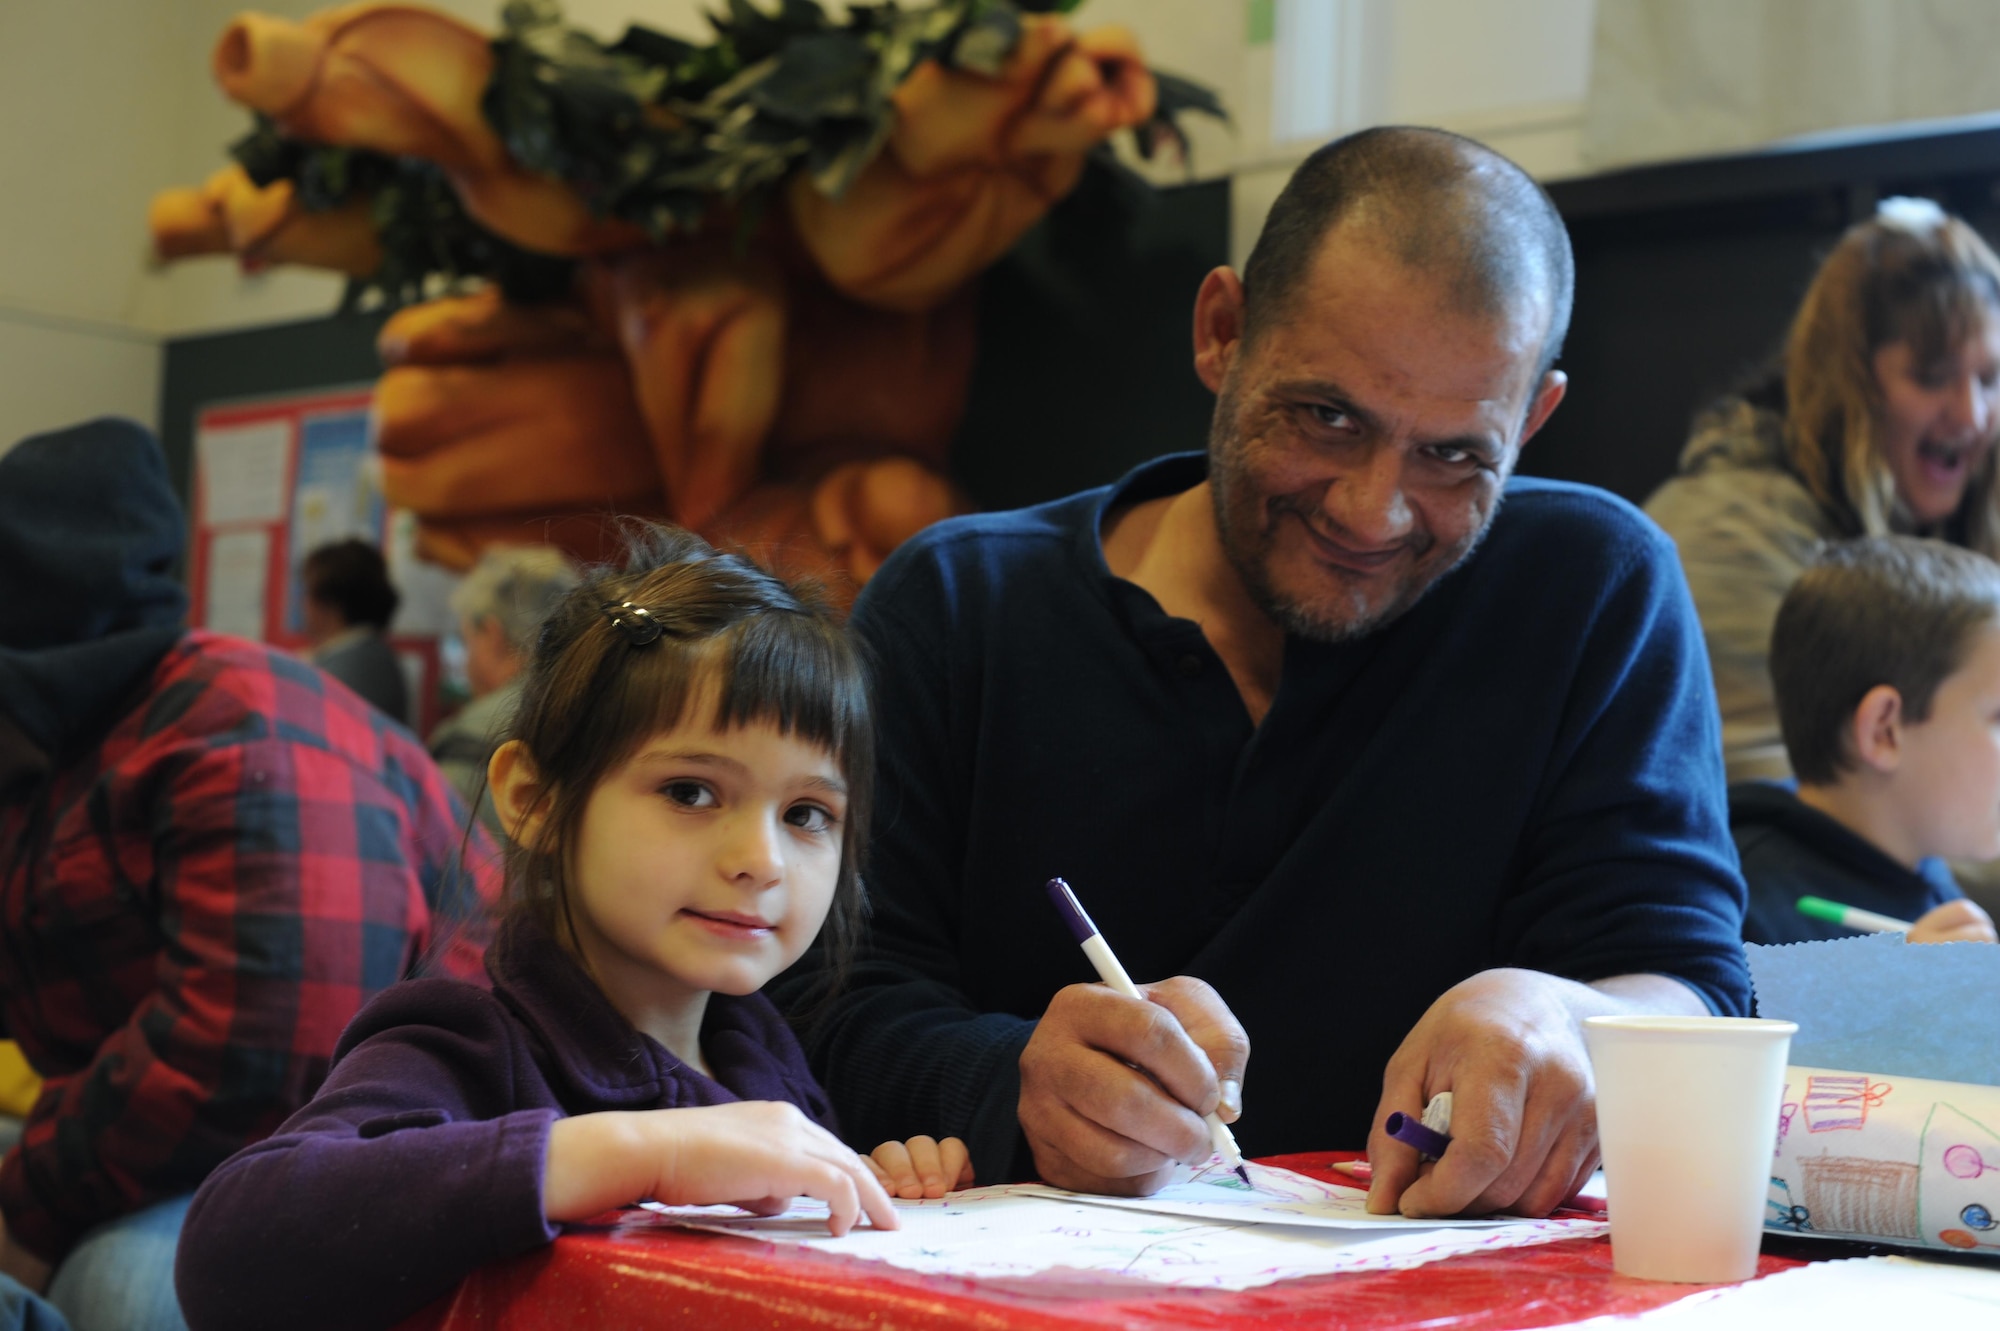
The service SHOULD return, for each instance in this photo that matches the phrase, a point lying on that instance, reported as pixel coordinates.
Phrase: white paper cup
(1687, 1114)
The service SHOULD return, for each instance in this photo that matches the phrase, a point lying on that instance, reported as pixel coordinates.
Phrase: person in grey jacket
(349, 602)
(1881, 418)
(501, 606)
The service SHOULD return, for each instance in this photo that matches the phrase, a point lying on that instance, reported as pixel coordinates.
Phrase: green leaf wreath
(666, 133)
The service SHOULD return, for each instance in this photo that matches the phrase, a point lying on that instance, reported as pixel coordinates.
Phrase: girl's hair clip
(636, 622)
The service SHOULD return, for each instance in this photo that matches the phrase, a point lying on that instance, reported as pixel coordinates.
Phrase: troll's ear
(520, 796)
(1877, 729)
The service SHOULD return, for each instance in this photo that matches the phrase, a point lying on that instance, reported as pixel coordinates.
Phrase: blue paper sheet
(1890, 1007)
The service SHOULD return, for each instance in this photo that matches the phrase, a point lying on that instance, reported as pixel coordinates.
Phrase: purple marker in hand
(1431, 1134)
(1113, 974)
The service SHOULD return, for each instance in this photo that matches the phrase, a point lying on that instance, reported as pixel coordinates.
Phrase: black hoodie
(90, 532)
(1790, 849)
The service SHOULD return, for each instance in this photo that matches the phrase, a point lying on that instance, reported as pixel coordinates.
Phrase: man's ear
(1218, 326)
(1877, 729)
(519, 794)
(1548, 397)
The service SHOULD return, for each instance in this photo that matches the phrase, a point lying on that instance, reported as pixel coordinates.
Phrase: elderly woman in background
(500, 607)
(1882, 420)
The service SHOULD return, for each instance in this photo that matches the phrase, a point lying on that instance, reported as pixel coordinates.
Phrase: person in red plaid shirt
(211, 856)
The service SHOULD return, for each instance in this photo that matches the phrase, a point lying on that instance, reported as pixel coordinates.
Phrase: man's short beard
(1244, 524)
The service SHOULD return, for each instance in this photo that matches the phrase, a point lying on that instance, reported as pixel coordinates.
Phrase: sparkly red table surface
(638, 1274)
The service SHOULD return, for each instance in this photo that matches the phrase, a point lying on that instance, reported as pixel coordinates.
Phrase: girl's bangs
(798, 674)
(785, 670)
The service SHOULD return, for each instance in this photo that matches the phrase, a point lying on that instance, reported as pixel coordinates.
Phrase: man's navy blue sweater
(1525, 769)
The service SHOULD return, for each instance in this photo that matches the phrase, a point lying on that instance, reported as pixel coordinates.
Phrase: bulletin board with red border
(273, 478)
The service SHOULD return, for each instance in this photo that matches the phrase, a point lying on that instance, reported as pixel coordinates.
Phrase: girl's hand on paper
(756, 1154)
(921, 1167)
(1958, 921)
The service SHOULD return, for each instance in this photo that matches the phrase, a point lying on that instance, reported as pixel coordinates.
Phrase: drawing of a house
(1851, 1195)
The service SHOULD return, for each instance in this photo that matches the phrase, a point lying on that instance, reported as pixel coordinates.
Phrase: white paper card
(1864, 1294)
(244, 470)
(1012, 1231)
(1274, 1197)
(239, 569)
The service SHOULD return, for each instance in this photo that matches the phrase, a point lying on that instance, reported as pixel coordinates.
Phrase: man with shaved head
(1399, 765)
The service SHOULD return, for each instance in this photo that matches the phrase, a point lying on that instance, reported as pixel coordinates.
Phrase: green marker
(1852, 917)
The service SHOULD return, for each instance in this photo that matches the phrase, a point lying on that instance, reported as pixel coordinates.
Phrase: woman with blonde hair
(1880, 418)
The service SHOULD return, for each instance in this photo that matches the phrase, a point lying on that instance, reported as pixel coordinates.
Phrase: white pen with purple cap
(1113, 975)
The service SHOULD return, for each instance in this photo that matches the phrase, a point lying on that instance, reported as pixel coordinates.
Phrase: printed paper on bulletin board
(268, 474)
(274, 479)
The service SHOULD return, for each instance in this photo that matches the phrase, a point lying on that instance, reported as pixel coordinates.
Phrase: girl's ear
(519, 794)
(1878, 729)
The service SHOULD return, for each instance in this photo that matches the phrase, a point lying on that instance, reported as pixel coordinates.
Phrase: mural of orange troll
(732, 284)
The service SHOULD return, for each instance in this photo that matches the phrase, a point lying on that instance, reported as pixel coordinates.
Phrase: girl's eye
(811, 818)
(689, 794)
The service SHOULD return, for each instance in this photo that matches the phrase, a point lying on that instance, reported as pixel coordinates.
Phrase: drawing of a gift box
(1840, 1103)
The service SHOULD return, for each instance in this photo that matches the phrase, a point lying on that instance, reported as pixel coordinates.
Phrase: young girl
(687, 791)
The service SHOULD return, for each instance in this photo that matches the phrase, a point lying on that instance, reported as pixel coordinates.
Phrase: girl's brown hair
(621, 658)
(1911, 274)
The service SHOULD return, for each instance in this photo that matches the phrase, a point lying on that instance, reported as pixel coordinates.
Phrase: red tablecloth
(640, 1273)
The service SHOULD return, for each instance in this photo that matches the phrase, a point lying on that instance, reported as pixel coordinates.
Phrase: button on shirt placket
(1218, 717)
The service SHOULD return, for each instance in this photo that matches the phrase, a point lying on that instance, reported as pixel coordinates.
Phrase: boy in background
(1886, 662)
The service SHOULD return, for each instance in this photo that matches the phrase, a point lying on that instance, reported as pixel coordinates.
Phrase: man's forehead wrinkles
(1319, 386)
(1407, 361)
(1381, 326)
(1488, 432)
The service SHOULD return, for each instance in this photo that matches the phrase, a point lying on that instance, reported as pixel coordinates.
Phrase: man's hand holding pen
(1113, 1090)
(1508, 1045)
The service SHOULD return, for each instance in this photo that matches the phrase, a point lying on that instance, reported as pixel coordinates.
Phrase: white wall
(1672, 79)
(56, 372)
(1511, 75)
(89, 105)
(1516, 72)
